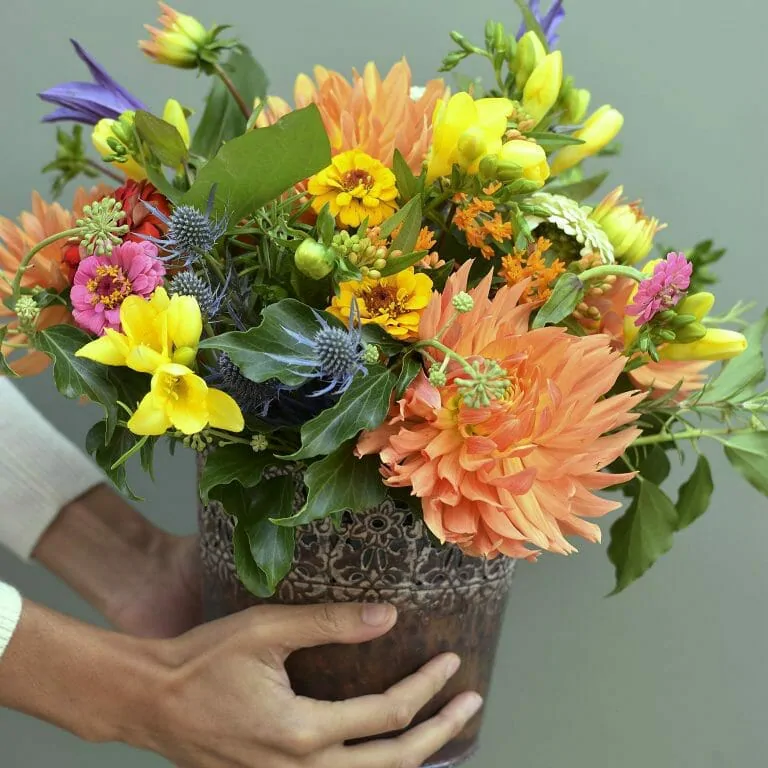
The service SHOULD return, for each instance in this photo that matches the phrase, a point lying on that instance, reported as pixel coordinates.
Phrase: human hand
(224, 699)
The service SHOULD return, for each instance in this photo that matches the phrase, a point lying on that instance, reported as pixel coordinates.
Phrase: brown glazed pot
(446, 602)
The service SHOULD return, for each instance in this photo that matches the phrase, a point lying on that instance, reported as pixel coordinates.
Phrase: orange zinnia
(48, 269)
(374, 115)
(524, 469)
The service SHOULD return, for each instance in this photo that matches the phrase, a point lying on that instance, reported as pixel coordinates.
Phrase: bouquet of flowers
(391, 289)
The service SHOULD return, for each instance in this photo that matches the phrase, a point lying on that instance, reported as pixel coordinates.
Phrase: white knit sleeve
(40, 472)
(10, 613)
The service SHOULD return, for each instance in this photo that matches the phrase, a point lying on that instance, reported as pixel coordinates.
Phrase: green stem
(447, 352)
(16, 284)
(612, 269)
(216, 267)
(691, 434)
(228, 436)
(105, 171)
(236, 95)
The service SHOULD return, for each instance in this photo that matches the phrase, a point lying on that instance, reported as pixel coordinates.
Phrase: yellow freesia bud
(597, 132)
(630, 231)
(174, 114)
(697, 304)
(518, 159)
(717, 344)
(529, 54)
(464, 132)
(576, 104)
(112, 139)
(179, 42)
(543, 86)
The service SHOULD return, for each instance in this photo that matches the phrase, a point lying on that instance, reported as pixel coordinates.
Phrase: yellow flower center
(109, 287)
(170, 386)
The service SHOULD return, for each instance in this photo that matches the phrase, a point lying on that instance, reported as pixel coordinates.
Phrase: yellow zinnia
(396, 303)
(182, 400)
(356, 187)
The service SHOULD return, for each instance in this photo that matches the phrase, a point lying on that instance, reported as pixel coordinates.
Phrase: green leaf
(233, 498)
(742, 373)
(5, 369)
(409, 232)
(163, 139)
(76, 376)
(363, 406)
(271, 545)
(567, 293)
(222, 119)
(550, 141)
(399, 217)
(748, 455)
(655, 467)
(337, 483)
(399, 263)
(695, 494)
(642, 534)
(579, 190)
(410, 370)
(248, 572)
(375, 334)
(257, 352)
(253, 169)
(232, 463)
(156, 176)
(107, 453)
(407, 183)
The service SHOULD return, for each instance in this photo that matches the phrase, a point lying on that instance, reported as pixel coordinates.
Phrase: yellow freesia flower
(598, 131)
(113, 132)
(173, 113)
(465, 131)
(182, 400)
(543, 86)
(523, 159)
(156, 332)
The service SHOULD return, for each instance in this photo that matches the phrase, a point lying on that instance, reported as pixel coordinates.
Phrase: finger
(411, 749)
(387, 712)
(294, 627)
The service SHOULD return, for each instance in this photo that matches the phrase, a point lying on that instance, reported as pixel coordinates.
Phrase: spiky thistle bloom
(334, 355)
(568, 227)
(190, 233)
(524, 467)
(663, 289)
(188, 283)
(49, 268)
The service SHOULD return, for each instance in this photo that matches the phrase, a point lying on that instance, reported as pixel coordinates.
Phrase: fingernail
(377, 614)
(452, 665)
(471, 705)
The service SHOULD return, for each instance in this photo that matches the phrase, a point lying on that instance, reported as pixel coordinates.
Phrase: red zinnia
(142, 222)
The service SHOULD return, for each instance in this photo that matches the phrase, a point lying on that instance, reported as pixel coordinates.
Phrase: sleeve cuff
(10, 613)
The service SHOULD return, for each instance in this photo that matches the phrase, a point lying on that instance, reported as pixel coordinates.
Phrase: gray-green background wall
(670, 674)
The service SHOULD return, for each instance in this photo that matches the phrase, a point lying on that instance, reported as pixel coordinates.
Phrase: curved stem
(691, 434)
(16, 284)
(447, 352)
(236, 95)
(612, 269)
(105, 171)
(228, 436)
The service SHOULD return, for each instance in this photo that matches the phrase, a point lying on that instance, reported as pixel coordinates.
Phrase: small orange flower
(530, 265)
(472, 217)
(425, 242)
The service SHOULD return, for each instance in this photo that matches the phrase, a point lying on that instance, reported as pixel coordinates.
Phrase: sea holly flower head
(663, 289)
(89, 102)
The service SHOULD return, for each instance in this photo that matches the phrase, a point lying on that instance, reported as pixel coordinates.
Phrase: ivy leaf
(232, 463)
(375, 334)
(233, 498)
(642, 534)
(108, 452)
(566, 294)
(5, 369)
(741, 374)
(257, 351)
(695, 494)
(163, 139)
(271, 545)
(76, 376)
(748, 454)
(363, 406)
(337, 483)
(259, 166)
(655, 467)
(222, 119)
(407, 184)
(411, 367)
(252, 577)
(580, 190)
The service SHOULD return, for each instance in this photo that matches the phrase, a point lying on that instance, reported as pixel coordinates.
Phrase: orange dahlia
(49, 269)
(606, 313)
(523, 469)
(374, 115)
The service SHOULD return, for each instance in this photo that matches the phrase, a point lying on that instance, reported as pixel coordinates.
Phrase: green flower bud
(691, 332)
(371, 354)
(313, 259)
(259, 443)
(463, 302)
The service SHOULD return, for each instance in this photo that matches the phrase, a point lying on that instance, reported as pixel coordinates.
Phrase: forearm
(100, 546)
(93, 683)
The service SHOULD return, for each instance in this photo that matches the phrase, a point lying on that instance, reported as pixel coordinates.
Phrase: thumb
(304, 626)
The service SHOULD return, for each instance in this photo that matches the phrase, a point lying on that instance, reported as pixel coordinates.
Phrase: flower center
(357, 182)
(109, 287)
(170, 386)
(382, 299)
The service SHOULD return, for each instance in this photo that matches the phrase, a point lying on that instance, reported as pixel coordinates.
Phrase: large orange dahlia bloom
(524, 469)
(369, 113)
(49, 268)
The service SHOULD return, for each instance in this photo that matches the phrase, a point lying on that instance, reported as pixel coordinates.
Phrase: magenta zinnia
(663, 289)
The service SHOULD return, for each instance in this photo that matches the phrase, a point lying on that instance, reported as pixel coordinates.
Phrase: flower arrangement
(391, 289)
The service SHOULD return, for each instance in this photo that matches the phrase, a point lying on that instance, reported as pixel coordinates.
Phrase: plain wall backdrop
(670, 674)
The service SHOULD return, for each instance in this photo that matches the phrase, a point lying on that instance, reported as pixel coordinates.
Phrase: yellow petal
(718, 344)
(159, 300)
(224, 412)
(174, 114)
(492, 114)
(144, 359)
(150, 418)
(185, 324)
(107, 350)
(137, 317)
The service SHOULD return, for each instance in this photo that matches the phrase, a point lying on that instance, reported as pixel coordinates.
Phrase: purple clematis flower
(549, 21)
(89, 102)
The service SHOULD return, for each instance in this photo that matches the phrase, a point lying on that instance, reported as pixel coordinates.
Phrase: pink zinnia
(663, 289)
(102, 283)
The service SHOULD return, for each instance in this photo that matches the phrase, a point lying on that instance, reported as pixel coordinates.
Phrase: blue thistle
(191, 233)
(188, 283)
(549, 21)
(333, 355)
